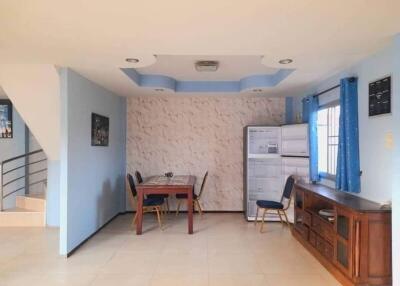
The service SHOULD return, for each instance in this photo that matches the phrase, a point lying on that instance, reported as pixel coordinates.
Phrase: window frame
(326, 175)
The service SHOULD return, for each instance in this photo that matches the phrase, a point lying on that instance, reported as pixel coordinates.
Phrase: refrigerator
(271, 154)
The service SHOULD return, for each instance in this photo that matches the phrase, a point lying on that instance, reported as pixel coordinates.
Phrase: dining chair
(279, 207)
(149, 204)
(139, 179)
(196, 197)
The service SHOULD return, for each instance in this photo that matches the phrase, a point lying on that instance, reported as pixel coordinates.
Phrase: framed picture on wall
(6, 119)
(380, 94)
(100, 130)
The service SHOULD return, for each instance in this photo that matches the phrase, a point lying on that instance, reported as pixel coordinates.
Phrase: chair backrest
(287, 191)
(131, 190)
(139, 178)
(131, 185)
(203, 184)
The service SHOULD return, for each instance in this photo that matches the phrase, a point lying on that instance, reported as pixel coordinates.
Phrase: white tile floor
(225, 250)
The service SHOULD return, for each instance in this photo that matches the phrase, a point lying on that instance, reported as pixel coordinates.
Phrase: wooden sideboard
(356, 246)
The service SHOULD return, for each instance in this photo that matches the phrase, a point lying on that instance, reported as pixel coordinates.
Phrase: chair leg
(262, 221)
(158, 209)
(280, 217)
(177, 207)
(162, 211)
(199, 207)
(255, 221)
(286, 218)
(166, 201)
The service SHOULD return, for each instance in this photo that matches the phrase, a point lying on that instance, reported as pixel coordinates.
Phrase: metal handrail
(21, 156)
(31, 184)
(12, 181)
(23, 166)
(26, 175)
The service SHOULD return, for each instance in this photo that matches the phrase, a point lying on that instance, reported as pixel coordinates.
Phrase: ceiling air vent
(206, 66)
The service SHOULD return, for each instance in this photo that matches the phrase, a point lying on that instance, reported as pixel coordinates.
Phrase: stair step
(21, 217)
(31, 202)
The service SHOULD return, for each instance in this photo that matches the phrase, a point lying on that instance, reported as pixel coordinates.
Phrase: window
(328, 140)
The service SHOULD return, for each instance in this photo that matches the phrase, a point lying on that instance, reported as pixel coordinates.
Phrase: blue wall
(376, 157)
(289, 110)
(92, 178)
(53, 193)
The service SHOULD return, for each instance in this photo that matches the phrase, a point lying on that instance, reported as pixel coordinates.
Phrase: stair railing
(12, 176)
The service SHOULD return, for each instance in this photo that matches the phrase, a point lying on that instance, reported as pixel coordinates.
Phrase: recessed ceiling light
(257, 90)
(285, 61)
(132, 60)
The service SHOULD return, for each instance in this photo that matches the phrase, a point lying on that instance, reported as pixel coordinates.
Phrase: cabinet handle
(357, 249)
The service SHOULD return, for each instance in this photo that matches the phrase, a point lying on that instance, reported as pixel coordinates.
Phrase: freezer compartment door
(264, 168)
(296, 166)
(264, 182)
(265, 189)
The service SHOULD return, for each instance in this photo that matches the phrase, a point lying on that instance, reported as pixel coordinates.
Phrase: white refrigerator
(271, 154)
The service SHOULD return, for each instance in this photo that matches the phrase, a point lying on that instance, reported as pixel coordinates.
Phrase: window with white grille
(328, 140)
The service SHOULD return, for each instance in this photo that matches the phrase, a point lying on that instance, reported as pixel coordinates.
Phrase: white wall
(375, 158)
(92, 178)
(396, 171)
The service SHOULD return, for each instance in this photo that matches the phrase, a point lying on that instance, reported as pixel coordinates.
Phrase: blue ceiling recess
(246, 83)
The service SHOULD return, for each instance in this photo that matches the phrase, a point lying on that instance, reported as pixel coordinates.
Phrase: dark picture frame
(380, 96)
(6, 119)
(100, 130)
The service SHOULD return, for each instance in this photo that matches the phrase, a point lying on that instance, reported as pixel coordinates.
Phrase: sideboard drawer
(307, 218)
(313, 238)
(327, 233)
(328, 251)
(303, 230)
(323, 228)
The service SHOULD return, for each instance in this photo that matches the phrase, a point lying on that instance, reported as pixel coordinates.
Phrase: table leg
(190, 211)
(139, 219)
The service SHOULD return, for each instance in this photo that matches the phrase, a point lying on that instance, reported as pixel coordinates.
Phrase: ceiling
(230, 67)
(95, 37)
(234, 74)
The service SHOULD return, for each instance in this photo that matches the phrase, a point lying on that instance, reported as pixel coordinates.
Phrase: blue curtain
(348, 163)
(310, 116)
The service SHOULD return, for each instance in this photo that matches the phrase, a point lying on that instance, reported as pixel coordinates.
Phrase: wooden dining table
(166, 185)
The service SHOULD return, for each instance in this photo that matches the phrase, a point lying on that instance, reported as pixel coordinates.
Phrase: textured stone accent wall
(192, 134)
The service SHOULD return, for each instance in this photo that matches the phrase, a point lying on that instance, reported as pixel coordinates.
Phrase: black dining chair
(139, 180)
(279, 207)
(196, 197)
(149, 204)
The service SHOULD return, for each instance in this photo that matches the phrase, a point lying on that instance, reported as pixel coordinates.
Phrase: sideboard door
(343, 241)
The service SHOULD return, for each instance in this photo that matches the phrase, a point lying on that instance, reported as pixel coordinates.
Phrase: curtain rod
(327, 90)
(333, 87)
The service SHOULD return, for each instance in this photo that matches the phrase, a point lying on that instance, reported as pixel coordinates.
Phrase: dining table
(179, 184)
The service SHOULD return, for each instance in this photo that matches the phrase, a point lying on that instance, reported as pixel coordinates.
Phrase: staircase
(22, 191)
(30, 210)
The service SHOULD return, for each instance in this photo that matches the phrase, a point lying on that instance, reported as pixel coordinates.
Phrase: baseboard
(93, 234)
(211, 212)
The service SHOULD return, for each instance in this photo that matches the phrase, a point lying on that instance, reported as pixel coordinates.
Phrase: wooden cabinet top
(344, 199)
